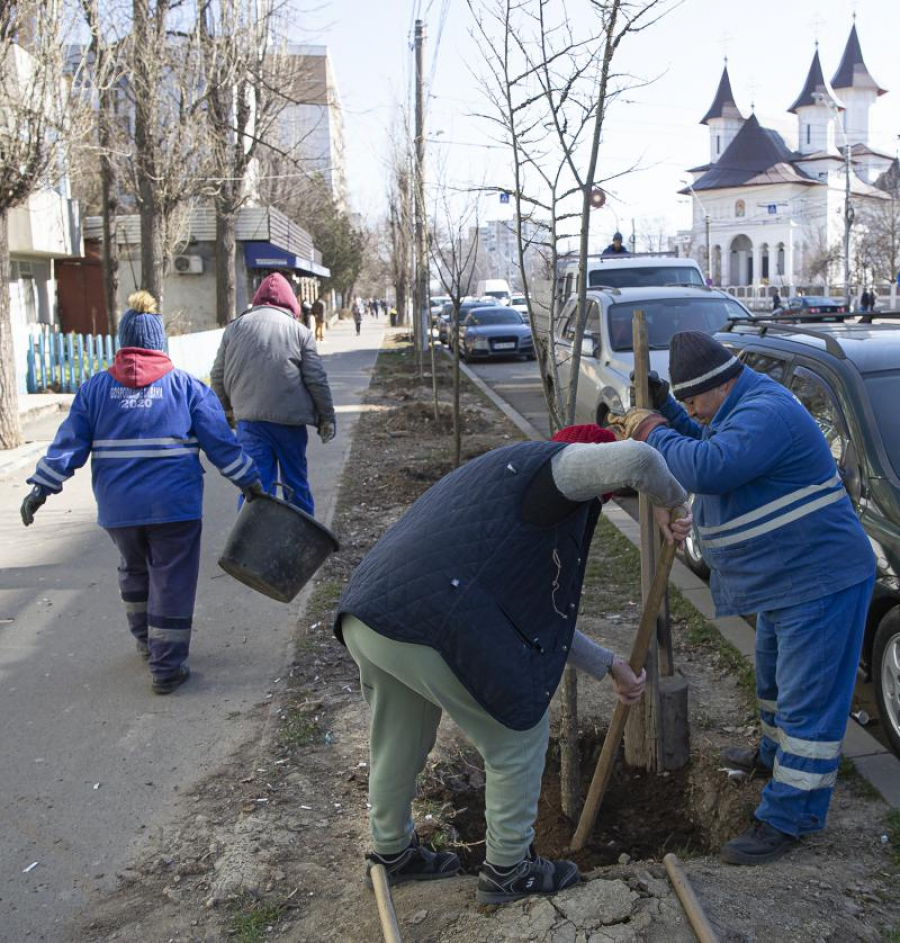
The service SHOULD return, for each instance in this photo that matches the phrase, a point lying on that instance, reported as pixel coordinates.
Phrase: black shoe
(414, 864)
(745, 758)
(168, 684)
(143, 648)
(760, 844)
(531, 876)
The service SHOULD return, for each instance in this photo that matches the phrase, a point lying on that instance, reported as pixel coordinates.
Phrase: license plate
(505, 345)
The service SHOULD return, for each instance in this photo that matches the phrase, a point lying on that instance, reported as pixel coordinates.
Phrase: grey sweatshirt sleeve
(315, 379)
(589, 657)
(217, 375)
(582, 471)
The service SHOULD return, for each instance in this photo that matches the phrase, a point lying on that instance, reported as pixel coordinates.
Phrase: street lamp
(849, 214)
(690, 187)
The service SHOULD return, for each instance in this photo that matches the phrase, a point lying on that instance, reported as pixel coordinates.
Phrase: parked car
(848, 377)
(607, 358)
(445, 325)
(495, 289)
(817, 306)
(437, 305)
(629, 271)
(495, 332)
(520, 303)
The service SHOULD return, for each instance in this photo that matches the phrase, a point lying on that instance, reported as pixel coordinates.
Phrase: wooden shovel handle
(389, 927)
(620, 715)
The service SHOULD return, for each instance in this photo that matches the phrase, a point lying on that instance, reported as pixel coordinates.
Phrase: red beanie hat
(591, 433)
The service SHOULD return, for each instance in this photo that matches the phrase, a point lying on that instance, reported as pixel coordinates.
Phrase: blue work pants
(806, 661)
(280, 455)
(158, 573)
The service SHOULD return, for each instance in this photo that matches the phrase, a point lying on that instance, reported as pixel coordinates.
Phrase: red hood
(275, 290)
(136, 366)
(591, 433)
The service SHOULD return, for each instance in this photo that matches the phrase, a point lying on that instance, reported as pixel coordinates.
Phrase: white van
(495, 288)
(629, 271)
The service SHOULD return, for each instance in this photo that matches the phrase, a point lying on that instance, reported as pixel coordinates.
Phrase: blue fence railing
(62, 362)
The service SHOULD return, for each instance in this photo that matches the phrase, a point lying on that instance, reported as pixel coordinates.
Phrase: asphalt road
(93, 761)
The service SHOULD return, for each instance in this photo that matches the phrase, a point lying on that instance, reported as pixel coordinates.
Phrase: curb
(873, 761)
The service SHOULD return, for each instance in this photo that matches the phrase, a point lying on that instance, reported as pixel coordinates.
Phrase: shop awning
(268, 255)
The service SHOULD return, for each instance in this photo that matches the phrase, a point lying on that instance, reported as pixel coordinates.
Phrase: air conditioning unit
(189, 264)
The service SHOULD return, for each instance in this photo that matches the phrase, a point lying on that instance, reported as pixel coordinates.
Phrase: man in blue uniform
(782, 540)
(616, 247)
(144, 424)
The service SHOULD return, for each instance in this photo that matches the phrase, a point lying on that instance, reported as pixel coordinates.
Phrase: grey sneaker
(415, 864)
(532, 875)
(168, 684)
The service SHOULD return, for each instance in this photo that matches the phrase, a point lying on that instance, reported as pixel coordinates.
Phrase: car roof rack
(869, 315)
(770, 325)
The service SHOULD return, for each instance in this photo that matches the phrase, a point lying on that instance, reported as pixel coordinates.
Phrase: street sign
(504, 197)
(598, 198)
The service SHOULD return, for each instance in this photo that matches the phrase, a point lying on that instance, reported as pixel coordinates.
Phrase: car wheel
(886, 675)
(693, 556)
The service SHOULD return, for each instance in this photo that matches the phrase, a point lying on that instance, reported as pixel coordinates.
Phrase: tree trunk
(110, 200)
(10, 431)
(457, 418)
(569, 758)
(226, 290)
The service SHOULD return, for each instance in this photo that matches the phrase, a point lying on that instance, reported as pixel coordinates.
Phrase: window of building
(808, 133)
(718, 144)
(740, 208)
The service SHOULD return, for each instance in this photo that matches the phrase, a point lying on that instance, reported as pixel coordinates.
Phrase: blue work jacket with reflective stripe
(774, 520)
(144, 444)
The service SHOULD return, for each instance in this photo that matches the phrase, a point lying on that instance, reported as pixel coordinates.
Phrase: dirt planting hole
(643, 815)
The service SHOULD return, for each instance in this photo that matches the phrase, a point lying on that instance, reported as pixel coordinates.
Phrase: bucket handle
(287, 490)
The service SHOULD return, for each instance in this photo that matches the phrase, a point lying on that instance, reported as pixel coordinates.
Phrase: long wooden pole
(389, 927)
(692, 907)
(645, 636)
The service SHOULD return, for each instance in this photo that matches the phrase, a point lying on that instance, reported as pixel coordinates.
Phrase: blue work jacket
(774, 521)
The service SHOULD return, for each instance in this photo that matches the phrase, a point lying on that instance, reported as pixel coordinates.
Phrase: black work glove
(33, 500)
(659, 390)
(253, 490)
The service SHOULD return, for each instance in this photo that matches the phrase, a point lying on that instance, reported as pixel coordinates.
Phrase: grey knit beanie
(698, 363)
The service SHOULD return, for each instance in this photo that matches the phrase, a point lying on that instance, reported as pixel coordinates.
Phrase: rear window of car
(650, 276)
(495, 317)
(668, 316)
(884, 394)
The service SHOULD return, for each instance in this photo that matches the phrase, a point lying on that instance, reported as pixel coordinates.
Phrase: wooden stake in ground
(645, 636)
(569, 756)
(389, 927)
(695, 914)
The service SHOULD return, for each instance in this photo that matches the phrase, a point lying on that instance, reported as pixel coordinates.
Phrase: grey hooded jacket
(268, 370)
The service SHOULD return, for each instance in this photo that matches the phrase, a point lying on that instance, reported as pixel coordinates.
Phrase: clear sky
(769, 44)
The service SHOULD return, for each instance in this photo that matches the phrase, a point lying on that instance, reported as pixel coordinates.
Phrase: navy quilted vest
(463, 572)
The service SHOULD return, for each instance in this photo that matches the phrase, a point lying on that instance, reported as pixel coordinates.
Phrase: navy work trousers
(158, 574)
(806, 661)
(280, 455)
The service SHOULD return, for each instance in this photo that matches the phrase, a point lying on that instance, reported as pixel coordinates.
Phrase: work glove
(33, 500)
(659, 389)
(637, 424)
(327, 430)
(253, 490)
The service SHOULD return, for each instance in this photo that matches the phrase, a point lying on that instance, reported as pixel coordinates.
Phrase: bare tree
(454, 252)
(38, 121)
(878, 245)
(550, 88)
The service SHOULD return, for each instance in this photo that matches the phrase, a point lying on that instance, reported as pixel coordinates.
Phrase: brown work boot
(744, 758)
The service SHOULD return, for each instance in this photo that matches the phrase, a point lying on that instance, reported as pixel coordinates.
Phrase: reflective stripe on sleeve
(173, 636)
(769, 731)
(54, 486)
(248, 464)
(800, 779)
(51, 472)
(165, 440)
(148, 453)
(235, 464)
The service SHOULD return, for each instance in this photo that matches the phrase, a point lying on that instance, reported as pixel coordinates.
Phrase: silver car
(607, 359)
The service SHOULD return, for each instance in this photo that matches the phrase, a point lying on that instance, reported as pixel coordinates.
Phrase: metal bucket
(275, 548)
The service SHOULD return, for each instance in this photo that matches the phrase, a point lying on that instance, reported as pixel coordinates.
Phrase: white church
(762, 210)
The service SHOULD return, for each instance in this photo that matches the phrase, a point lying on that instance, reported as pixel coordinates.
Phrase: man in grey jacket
(269, 375)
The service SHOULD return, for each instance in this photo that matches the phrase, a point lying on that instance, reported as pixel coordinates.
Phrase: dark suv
(848, 377)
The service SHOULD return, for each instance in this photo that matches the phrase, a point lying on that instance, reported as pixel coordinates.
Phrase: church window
(808, 133)
(718, 144)
(740, 208)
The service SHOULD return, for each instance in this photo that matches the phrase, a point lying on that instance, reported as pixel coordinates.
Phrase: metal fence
(62, 362)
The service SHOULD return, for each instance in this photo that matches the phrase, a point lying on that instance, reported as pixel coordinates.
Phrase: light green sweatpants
(407, 686)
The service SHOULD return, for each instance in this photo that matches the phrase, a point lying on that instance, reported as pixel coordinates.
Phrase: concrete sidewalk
(92, 760)
(873, 760)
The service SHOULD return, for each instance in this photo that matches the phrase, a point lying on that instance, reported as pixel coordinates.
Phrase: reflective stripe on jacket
(774, 521)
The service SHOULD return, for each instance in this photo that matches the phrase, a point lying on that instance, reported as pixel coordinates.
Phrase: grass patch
(251, 922)
(892, 827)
(299, 728)
(858, 783)
(891, 936)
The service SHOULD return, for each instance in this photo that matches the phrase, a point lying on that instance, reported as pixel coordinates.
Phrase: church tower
(858, 90)
(813, 108)
(723, 119)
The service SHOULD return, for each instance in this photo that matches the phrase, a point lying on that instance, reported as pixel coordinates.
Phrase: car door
(589, 379)
(564, 340)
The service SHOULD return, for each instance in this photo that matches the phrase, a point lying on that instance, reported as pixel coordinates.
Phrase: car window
(592, 325)
(815, 394)
(567, 317)
(774, 367)
(494, 317)
(884, 394)
(648, 276)
(668, 316)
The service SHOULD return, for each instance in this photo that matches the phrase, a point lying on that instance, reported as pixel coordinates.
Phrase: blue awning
(268, 255)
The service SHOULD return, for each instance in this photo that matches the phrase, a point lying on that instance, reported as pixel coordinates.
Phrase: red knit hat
(591, 433)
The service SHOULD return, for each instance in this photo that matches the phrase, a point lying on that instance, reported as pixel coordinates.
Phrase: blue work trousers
(158, 574)
(280, 455)
(806, 661)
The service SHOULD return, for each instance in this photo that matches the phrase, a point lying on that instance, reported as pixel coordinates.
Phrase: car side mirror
(851, 474)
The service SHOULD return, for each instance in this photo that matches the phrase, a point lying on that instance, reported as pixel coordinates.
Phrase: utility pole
(420, 290)
(848, 222)
(708, 256)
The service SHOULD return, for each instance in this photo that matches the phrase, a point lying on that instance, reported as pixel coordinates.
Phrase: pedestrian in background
(144, 423)
(306, 313)
(318, 312)
(358, 316)
(269, 375)
(776, 301)
(782, 539)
